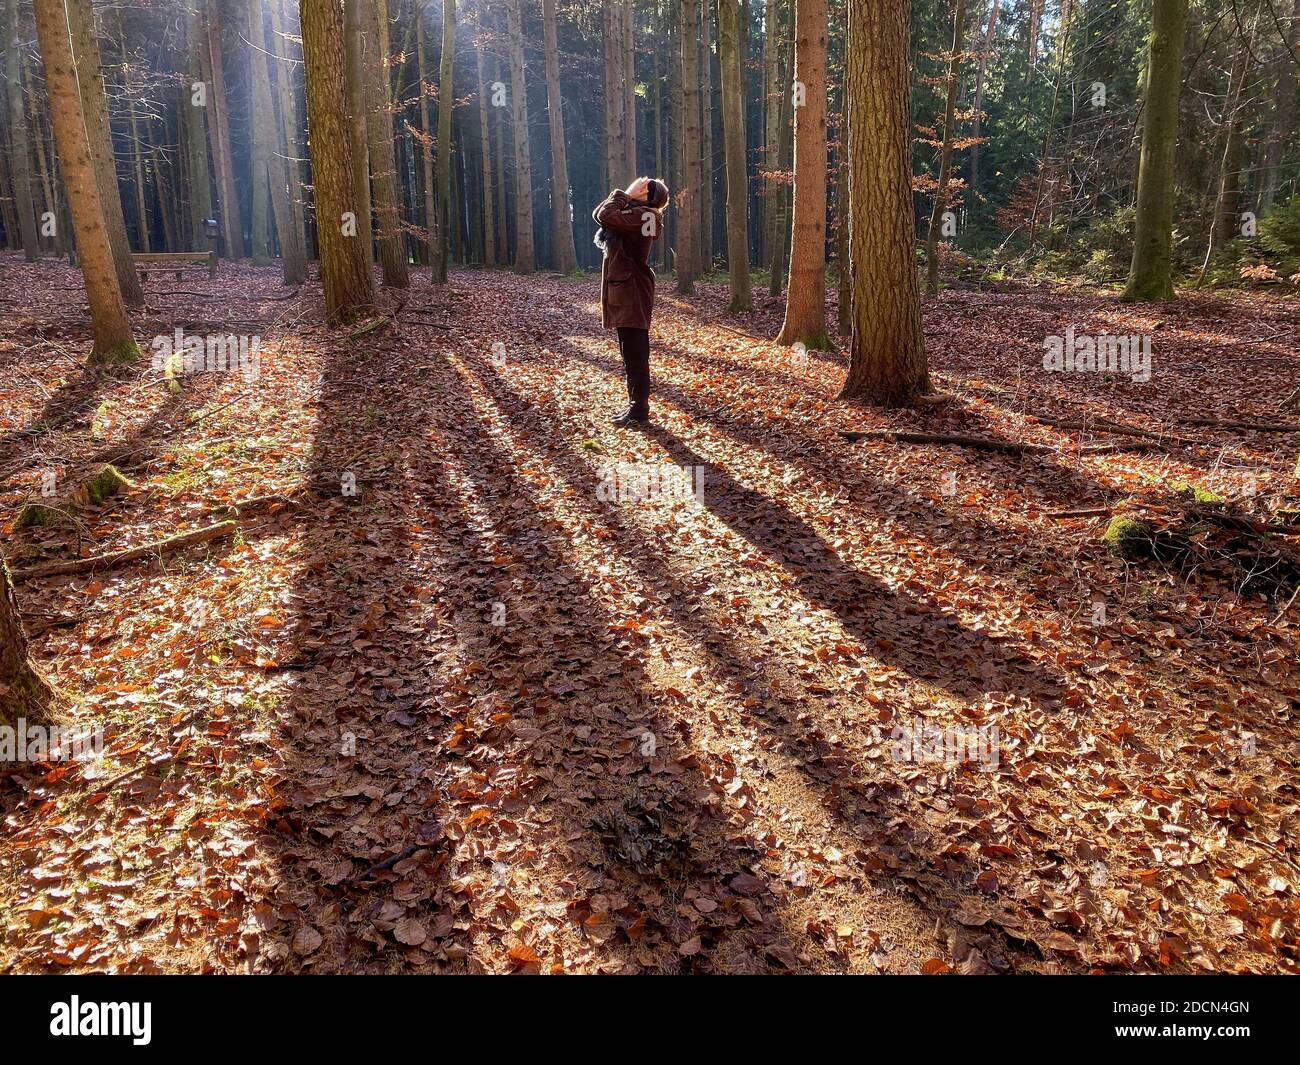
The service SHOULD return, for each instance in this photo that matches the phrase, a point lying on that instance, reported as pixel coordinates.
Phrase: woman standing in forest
(631, 221)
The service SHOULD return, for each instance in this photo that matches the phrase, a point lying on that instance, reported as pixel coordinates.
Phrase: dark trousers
(634, 345)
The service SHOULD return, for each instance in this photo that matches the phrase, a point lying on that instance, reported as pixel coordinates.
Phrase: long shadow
(815, 456)
(873, 809)
(481, 751)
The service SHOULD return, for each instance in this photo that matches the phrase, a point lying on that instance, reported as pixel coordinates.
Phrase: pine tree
(887, 362)
(805, 301)
(112, 329)
(345, 271)
(1150, 274)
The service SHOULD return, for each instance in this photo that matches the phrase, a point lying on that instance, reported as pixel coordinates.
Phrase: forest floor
(476, 716)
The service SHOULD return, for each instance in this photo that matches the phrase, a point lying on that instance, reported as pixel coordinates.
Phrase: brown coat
(627, 283)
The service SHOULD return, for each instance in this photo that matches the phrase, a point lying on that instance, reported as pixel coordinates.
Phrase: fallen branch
(370, 327)
(121, 558)
(980, 443)
(1107, 426)
(238, 506)
(1257, 427)
(1085, 512)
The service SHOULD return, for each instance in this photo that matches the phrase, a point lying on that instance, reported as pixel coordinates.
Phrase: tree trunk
(437, 261)
(628, 52)
(232, 225)
(503, 241)
(1284, 116)
(611, 52)
(289, 123)
(566, 256)
(24, 693)
(688, 196)
(989, 37)
(19, 154)
(772, 110)
(784, 162)
(887, 354)
(360, 40)
(199, 187)
(523, 158)
(269, 167)
(112, 329)
(1150, 274)
(489, 236)
(443, 218)
(90, 83)
(945, 152)
(706, 145)
(53, 201)
(676, 111)
(733, 144)
(1225, 223)
(344, 269)
(805, 301)
(383, 164)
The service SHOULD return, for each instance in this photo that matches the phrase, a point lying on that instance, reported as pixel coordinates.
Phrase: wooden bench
(209, 257)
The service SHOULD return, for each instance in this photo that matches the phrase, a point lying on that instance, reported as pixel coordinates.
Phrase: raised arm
(620, 214)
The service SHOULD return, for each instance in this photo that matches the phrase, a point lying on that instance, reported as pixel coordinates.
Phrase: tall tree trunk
(733, 144)
(383, 164)
(676, 111)
(566, 257)
(489, 236)
(887, 353)
(24, 693)
(446, 102)
(805, 301)
(945, 152)
(232, 225)
(1150, 274)
(1225, 220)
(523, 157)
(688, 196)
(193, 125)
(977, 121)
(772, 110)
(437, 262)
(628, 24)
(1033, 29)
(289, 123)
(842, 265)
(269, 166)
(612, 66)
(706, 144)
(90, 84)
(784, 162)
(503, 241)
(360, 40)
(19, 153)
(344, 269)
(1284, 113)
(50, 192)
(112, 330)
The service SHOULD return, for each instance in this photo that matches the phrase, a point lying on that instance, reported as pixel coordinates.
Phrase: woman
(631, 222)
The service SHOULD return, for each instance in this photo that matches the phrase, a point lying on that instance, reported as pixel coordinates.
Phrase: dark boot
(635, 416)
